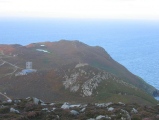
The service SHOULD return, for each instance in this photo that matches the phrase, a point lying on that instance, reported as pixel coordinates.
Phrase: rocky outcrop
(92, 80)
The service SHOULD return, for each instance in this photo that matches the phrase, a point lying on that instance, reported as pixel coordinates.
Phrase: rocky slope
(36, 109)
(69, 71)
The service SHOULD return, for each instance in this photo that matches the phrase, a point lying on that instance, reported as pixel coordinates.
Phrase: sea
(132, 43)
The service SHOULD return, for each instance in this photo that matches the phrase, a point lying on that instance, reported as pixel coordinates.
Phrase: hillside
(69, 71)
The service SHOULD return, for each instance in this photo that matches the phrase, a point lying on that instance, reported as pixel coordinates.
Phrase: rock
(134, 111)
(103, 117)
(45, 109)
(53, 109)
(121, 103)
(27, 108)
(126, 114)
(110, 109)
(14, 110)
(100, 117)
(52, 104)
(28, 98)
(65, 106)
(17, 101)
(43, 104)
(122, 118)
(74, 112)
(37, 101)
(57, 116)
(103, 104)
(91, 119)
(9, 100)
(110, 103)
(83, 110)
(100, 104)
(71, 106)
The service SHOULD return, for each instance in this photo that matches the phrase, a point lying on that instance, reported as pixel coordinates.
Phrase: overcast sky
(102, 9)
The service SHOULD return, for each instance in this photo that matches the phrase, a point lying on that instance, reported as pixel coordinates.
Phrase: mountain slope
(72, 69)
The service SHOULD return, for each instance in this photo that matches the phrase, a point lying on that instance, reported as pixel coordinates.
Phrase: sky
(99, 9)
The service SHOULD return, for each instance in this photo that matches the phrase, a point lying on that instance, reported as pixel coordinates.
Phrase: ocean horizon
(134, 44)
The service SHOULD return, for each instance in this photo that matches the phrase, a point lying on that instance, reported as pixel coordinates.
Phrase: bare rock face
(92, 80)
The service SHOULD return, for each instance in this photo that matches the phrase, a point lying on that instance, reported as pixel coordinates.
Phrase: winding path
(5, 96)
(15, 68)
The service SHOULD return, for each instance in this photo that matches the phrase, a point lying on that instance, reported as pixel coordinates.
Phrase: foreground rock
(28, 109)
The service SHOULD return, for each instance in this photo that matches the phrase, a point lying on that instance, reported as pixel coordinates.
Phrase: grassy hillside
(58, 78)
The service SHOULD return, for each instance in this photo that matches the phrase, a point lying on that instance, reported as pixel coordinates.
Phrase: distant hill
(69, 71)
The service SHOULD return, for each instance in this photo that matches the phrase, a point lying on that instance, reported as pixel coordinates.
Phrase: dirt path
(5, 96)
(15, 68)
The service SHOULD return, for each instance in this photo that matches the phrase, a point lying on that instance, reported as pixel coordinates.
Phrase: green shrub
(4, 110)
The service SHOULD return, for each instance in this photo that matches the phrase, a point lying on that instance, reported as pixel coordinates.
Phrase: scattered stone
(74, 112)
(65, 106)
(43, 104)
(100, 104)
(37, 101)
(100, 117)
(134, 111)
(122, 118)
(110, 109)
(126, 114)
(121, 103)
(103, 104)
(28, 98)
(53, 109)
(45, 109)
(103, 117)
(34, 109)
(9, 100)
(110, 103)
(57, 116)
(83, 109)
(72, 106)
(91, 119)
(14, 110)
(17, 101)
(52, 104)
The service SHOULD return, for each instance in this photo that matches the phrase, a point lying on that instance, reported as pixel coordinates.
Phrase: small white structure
(27, 70)
(28, 65)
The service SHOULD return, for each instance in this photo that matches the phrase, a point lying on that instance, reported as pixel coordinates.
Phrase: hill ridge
(53, 59)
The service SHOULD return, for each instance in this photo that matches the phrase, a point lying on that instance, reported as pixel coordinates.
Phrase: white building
(27, 70)
(28, 65)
